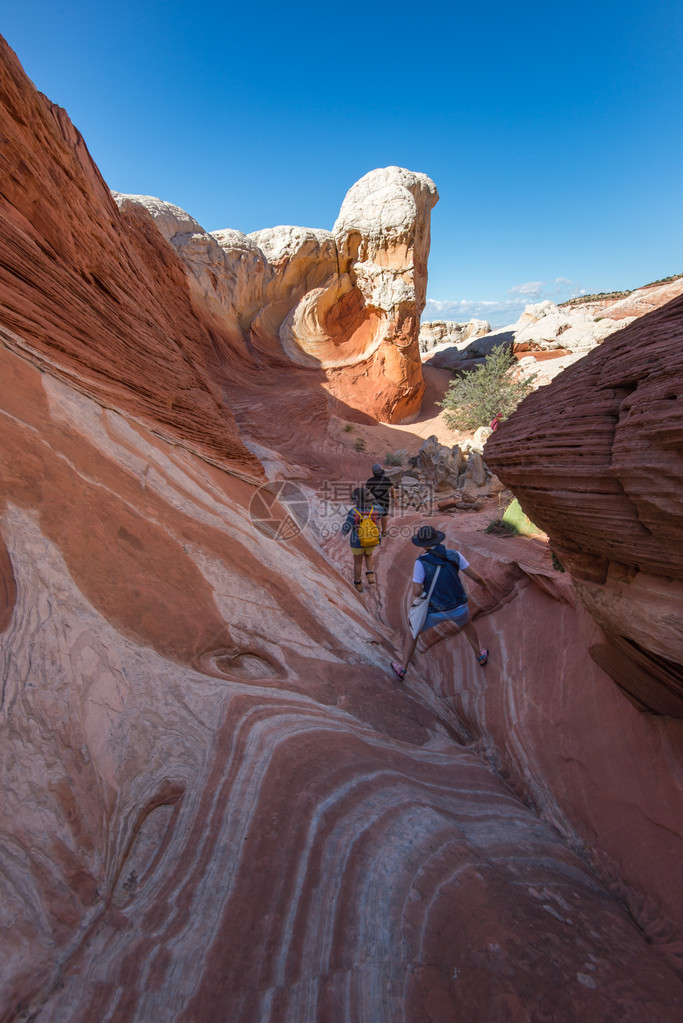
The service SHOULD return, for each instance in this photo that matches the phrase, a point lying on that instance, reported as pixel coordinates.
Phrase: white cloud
(506, 311)
(499, 313)
(532, 289)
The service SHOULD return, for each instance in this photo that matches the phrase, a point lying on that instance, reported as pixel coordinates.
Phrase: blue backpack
(449, 592)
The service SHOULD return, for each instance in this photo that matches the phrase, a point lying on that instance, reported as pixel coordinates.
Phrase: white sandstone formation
(383, 231)
(545, 326)
(446, 332)
(346, 302)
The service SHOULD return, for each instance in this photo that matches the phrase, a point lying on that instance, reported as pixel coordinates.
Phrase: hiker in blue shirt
(362, 522)
(448, 599)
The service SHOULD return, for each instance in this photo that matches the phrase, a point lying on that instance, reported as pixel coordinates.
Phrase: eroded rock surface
(346, 302)
(217, 802)
(94, 295)
(446, 332)
(597, 462)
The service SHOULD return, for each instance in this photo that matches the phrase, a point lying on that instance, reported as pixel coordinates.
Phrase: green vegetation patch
(513, 522)
(473, 399)
(520, 523)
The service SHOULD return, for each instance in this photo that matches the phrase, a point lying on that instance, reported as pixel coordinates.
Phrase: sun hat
(377, 469)
(427, 536)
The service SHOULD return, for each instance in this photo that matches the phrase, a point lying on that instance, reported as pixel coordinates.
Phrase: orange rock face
(343, 304)
(96, 296)
(596, 459)
(216, 801)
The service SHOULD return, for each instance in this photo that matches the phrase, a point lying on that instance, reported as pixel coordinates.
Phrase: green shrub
(392, 459)
(348, 427)
(517, 520)
(557, 564)
(475, 398)
(514, 521)
(360, 444)
(500, 528)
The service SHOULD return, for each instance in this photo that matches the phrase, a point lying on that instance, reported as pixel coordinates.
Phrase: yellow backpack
(368, 530)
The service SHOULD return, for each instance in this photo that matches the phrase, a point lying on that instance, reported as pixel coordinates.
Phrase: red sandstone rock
(596, 459)
(217, 802)
(94, 295)
(642, 300)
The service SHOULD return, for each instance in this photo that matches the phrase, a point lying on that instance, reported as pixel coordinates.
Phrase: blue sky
(553, 132)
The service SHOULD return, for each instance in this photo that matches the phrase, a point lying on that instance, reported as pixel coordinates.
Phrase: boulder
(440, 465)
(480, 437)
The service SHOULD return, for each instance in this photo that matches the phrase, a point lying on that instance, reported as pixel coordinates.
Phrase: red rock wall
(608, 777)
(216, 801)
(596, 459)
(96, 296)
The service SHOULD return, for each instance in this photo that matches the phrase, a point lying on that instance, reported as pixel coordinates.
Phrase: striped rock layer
(216, 801)
(218, 804)
(596, 459)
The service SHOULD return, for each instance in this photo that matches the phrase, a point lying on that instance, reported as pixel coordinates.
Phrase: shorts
(458, 615)
(363, 550)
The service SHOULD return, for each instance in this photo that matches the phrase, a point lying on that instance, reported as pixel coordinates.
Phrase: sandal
(371, 582)
(398, 670)
(483, 657)
(358, 584)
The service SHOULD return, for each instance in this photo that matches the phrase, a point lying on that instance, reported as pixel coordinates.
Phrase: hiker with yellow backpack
(363, 522)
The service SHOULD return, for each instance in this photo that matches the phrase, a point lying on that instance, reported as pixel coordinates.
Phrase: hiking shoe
(483, 657)
(398, 670)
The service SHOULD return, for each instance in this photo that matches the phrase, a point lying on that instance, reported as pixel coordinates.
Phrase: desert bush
(360, 444)
(391, 459)
(476, 397)
(348, 427)
(557, 564)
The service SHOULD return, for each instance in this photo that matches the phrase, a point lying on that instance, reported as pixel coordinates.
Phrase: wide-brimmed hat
(427, 536)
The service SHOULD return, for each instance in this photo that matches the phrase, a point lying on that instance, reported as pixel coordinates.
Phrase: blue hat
(377, 469)
(427, 536)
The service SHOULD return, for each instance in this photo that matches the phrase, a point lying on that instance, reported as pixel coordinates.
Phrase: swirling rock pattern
(596, 459)
(216, 801)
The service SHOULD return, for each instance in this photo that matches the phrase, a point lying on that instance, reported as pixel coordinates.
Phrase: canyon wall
(217, 802)
(596, 459)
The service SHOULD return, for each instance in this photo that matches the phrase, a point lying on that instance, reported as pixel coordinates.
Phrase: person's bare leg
(357, 567)
(368, 565)
(472, 637)
(409, 644)
(383, 524)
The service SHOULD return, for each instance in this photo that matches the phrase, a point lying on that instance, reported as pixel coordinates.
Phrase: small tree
(476, 397)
